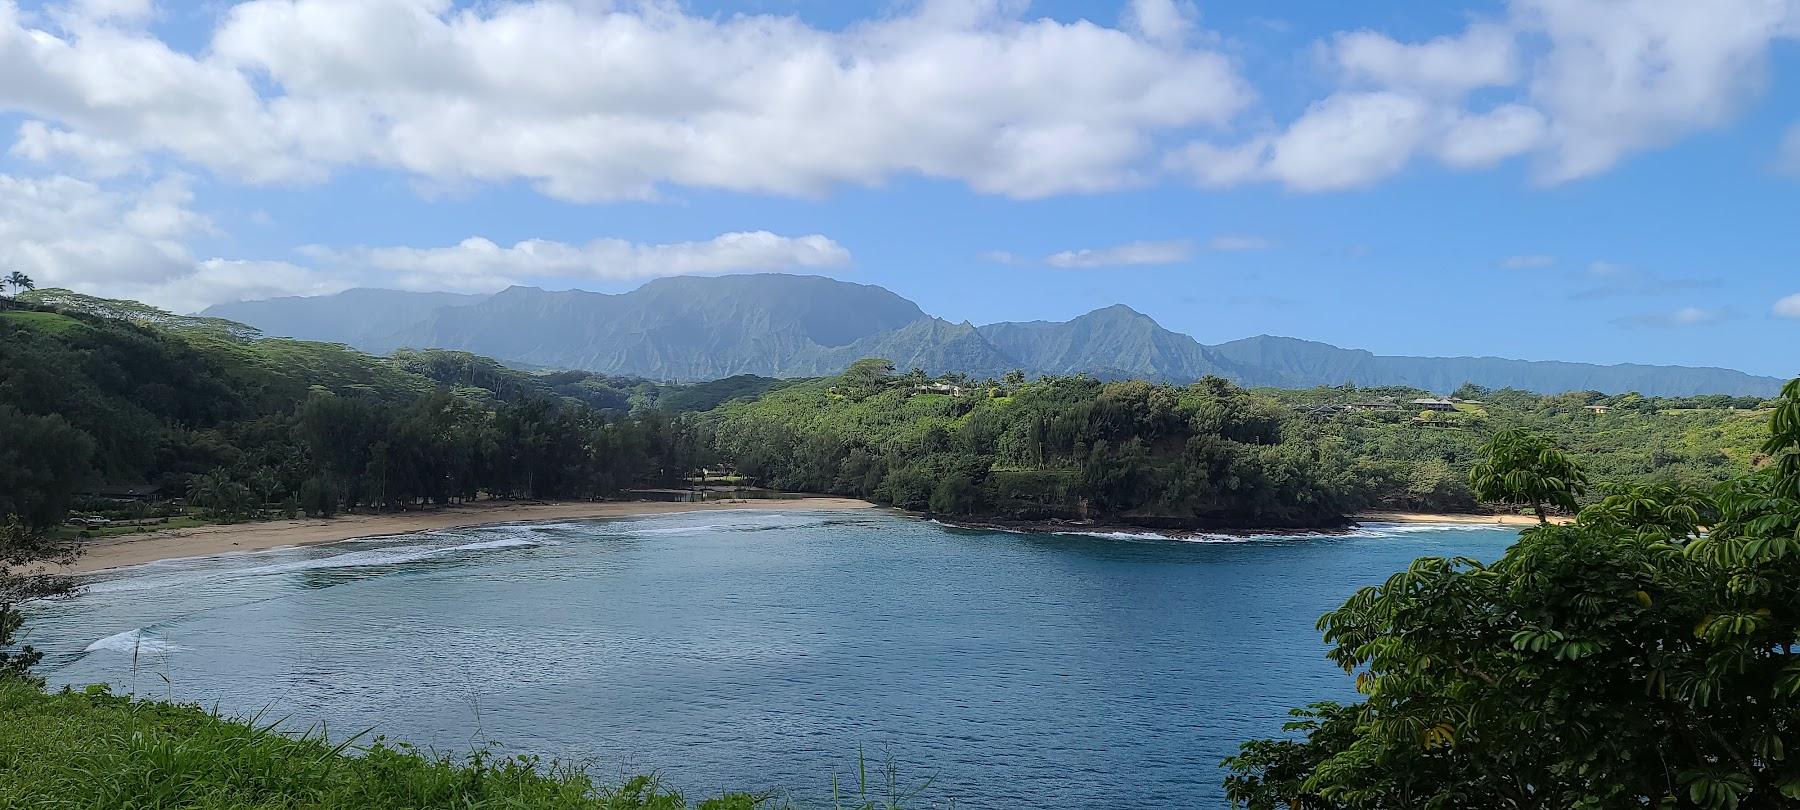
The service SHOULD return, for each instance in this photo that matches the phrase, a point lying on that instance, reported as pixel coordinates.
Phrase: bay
(767, 650)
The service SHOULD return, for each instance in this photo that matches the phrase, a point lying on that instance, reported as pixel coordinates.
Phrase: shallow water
(763, 650)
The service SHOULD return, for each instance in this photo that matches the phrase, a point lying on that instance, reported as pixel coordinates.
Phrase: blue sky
(1594, 180)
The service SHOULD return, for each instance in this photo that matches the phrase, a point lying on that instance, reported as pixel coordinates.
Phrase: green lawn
(51, 322)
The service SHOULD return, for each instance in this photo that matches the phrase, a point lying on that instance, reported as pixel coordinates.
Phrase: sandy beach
(207, 541)
(1431, 517)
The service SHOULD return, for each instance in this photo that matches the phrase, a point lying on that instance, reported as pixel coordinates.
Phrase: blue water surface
(767, 649)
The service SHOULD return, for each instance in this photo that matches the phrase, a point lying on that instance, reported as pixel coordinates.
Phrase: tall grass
(93, 749)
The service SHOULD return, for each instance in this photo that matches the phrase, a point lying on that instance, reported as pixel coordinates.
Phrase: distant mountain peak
(775, 324)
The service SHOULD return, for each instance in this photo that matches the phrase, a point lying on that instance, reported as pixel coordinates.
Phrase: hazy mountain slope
(1115, 341)
(774, 325)
(675, 328)
(1293, 362)
(364, 318)
(935, 345)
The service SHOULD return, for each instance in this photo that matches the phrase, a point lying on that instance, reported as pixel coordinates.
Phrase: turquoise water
(764, 649)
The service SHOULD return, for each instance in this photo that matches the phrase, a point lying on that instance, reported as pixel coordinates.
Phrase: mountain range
(704, 328)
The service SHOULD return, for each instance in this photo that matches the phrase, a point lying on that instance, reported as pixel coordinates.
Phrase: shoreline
(1054, 526)
(232, 538)
(235, 538)
(1456, 518)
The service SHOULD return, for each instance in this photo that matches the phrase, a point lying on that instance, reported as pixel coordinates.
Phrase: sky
(1593, 180)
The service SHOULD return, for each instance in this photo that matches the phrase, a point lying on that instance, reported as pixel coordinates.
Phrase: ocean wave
(1194, 537)
(505, 542)
(671, 530)
(1416, 528)
(134, 641)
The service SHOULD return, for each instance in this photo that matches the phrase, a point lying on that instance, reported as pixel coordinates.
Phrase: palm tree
(1521, 467)
(209, 491)
(19, 281)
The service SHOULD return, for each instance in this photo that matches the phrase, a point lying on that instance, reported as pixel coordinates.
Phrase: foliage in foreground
(24, 576)
(98, 750)
(1632, 659)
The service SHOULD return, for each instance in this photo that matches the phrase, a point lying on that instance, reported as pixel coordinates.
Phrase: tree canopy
(1642, 656)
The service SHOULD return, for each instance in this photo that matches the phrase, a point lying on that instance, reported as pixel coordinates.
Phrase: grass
(49, 322)
(93, 749)
(69, 531)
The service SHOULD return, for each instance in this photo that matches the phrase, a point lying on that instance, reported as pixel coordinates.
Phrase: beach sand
(1430, 517)
(208, 541)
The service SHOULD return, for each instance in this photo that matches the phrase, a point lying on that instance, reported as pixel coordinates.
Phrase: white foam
(683, 530)
(505, 542)
(134, 641)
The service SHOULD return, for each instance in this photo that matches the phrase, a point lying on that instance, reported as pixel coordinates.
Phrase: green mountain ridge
(778, 325)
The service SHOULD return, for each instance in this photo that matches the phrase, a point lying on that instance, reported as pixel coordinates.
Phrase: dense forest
(115, 405)
(1642, 655)
(1209, 454)
(102, 397)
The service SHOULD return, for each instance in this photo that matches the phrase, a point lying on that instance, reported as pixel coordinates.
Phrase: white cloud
(1349, 140)
(129, 243)
(1167, 22)
(1005, 257)
(1477, 141)
(1131, 253)
(478, 264)
(593, 101)
(136, 242)
(100, 158)
(1623, 76)
(1788, 307)
(1580, 85)
(1236, 242)
(1528, 261)
(1485, 55)
(1213, 166)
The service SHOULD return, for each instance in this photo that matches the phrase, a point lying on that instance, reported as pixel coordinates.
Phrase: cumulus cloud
(135, 241)
(1788, 307)
(1485, 55)
(626, 99)
(592, 101)
(1577, 85)
(130, 242)
(480, 265)
(1621, 77)
(1128, 254)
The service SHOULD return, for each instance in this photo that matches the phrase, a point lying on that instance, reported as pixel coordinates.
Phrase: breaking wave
(134, 641)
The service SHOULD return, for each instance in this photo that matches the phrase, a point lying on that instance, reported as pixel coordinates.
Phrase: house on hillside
(1435, 405)
(946, 389)
(1598, 409)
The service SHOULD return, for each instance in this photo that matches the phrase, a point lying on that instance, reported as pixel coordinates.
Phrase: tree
(19, 282)
(867, 376)
(1631, 659)
(1521, 467)
(43, 462)
(24, 555)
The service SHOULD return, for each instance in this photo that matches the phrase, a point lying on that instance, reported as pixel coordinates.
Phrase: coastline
(1101, 527)
(231, 538)
(1448, 517)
